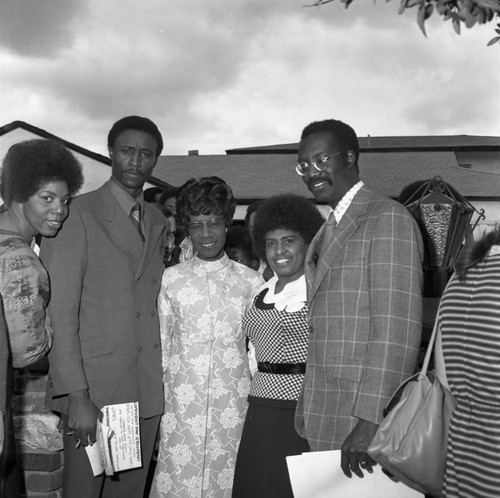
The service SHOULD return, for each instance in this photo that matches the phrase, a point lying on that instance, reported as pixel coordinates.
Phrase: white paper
(118, 444)
(98, 453)
(318, 475)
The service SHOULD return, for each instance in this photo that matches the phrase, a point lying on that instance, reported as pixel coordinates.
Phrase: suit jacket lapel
(311, 262)
(120, 228)
(341, 235)
(153, 231)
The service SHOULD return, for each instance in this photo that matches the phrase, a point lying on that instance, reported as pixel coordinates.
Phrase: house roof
(260, 176)
(71, 146)
(404, 143)
(45, 134)
(261, 172)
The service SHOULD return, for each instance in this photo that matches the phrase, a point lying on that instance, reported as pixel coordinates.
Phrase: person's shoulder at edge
(380, 204)
(172, 272)
(244, 270)
(251, 277)
(88, 196)
(82, 203)
(156, 215)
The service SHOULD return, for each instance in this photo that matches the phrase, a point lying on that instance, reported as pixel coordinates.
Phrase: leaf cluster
(459, 12)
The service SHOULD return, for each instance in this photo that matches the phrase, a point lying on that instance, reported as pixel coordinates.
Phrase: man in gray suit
(105, 268)
(364, 277)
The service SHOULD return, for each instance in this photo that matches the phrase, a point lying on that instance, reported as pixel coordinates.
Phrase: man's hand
(82, 417)
(354, 449)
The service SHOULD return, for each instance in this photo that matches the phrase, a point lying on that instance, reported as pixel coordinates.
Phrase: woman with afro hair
(37, 180)
(276, 324)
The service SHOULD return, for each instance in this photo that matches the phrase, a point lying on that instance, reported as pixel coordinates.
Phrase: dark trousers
(79, 481)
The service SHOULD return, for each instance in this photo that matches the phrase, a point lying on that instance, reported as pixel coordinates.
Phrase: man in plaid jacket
(364, 283)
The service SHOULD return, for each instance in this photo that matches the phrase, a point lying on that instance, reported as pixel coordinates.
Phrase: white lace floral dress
(206, 376)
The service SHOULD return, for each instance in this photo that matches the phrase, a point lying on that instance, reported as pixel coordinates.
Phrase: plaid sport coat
(365, 313)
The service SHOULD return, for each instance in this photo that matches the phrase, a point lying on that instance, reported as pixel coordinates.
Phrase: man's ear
(110, 152)
(351, 158)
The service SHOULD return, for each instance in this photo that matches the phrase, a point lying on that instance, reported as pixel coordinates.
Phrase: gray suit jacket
(104, 285)
(365, 309)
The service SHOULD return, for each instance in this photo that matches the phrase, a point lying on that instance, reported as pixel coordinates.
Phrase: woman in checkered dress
(276, 323)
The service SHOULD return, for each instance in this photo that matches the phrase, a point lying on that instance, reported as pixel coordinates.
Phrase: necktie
(331, 223)
(135, 218)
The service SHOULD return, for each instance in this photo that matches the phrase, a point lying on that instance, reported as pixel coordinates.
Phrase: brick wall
(37, 435)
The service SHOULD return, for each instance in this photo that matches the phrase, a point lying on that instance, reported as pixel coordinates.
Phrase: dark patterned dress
(277, 326)
(24, 286)
(469, 321)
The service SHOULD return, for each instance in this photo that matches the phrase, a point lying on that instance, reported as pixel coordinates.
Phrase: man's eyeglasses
(199, 226)
(320, 164)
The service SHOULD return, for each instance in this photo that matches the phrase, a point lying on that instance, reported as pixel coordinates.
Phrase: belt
(281, 368)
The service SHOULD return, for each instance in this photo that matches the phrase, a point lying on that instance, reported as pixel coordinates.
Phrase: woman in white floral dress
(206, 374)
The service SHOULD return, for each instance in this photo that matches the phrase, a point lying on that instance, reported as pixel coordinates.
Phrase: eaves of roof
(256, 176)
(45, 134)
(394, 144)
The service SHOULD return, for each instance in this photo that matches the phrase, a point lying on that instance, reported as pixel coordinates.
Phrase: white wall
(492, 213)
(488, 161)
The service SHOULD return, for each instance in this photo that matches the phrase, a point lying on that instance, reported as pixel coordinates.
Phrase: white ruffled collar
(292, 298)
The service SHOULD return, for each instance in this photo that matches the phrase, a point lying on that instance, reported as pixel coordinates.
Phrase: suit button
(153, 313)
(311, 330)
(138, 314)
(139, 349)
(155, 280)
(155, 346)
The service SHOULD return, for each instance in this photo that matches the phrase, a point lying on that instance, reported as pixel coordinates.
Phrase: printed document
(118, 445)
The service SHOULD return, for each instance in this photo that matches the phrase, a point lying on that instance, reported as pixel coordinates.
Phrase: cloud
(38, 28)
(220, 74)
(155, 59)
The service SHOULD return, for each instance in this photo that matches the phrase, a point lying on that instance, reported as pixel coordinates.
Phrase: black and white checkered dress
(278, 336)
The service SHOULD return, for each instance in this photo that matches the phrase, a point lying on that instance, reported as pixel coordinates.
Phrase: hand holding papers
(98, 453)
(118, 445)
(318, 475)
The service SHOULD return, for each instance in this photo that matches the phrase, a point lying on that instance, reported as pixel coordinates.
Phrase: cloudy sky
(218, 74)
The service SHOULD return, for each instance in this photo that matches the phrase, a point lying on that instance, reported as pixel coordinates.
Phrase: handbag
(411, 441)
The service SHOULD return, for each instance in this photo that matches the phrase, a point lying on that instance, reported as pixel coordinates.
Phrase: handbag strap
(430, 346)
(420, 375)
(432, 340)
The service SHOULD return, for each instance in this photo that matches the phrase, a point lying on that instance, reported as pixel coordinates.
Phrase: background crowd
(242, 344)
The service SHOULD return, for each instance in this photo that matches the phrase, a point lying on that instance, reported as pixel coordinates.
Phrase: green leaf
(402, 6)
(429, 9)
(489, 4)
(421, 19)
(493, 41)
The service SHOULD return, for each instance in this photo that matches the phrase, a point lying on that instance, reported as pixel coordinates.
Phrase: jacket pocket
(97, 346)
